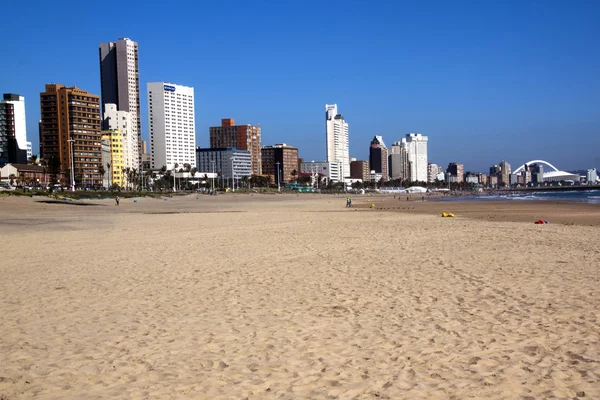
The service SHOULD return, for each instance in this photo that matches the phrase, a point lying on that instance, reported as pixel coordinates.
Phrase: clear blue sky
(485, 80)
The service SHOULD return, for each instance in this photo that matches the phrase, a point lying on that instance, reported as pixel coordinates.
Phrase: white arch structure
(535, 162)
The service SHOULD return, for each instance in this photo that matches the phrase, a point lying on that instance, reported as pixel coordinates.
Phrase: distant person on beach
(117, 200)
(348, 202)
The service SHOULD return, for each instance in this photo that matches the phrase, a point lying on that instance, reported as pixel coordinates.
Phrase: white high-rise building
(337, 139)
(172, 125)
(124, 122)
(29, 150)
(416, 146)
(120, 85)
(18, 103)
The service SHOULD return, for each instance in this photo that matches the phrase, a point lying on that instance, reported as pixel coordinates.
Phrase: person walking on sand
(117, 200)
(348, 202)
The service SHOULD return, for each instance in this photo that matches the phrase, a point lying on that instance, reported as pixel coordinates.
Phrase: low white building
(331, 170)
(225, 160)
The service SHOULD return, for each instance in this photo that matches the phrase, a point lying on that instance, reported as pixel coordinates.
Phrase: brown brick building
(69, 113)
(286, 156)
(241, 137)
(360, 170)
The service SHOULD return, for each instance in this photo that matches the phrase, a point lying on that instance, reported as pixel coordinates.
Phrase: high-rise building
(398, 163)
(13, 130)
(172, 125)
(433, 171)
(456, 172)
(241, 137)
(336, 129)
(280, 160)
(378, 157)
(72, 114)
(29, 150)
(114, 140)
(416, 147)
(120, 85)
(504, 173)
(360, 170)
(124, 122)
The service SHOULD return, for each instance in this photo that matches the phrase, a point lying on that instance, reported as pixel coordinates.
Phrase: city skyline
(479, 109)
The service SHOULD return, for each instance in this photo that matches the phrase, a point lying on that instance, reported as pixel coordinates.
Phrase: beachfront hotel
(120, 85)
(172, 125)
(71, 120)
(336, 132)
(331, 170)
(359, 169)
(241, 137)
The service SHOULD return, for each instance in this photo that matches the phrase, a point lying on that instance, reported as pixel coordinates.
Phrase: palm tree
(174, 181)
(193, 172)
(101, 171)
(33, 159)
(109, 174)
(44, 164)
(294, 173)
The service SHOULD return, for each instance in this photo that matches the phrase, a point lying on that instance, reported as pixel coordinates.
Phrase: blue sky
(485, 80)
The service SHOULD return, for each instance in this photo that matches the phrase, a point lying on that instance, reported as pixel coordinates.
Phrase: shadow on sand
(70, 203)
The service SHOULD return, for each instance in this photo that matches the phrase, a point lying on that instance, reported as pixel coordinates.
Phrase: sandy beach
(297, 297)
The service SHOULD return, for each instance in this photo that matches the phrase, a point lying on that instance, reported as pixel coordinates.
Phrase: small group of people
(349, 202)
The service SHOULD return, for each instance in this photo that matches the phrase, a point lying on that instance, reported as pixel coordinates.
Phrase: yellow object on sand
(445, 214)
(372, 205)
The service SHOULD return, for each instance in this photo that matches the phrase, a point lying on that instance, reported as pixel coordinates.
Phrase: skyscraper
(172, 125)
(120, 84)
(398, 163)
(69, 113)
(378, 158)
(241, 137)
(505, 173)
(416, 146)
(337, 139)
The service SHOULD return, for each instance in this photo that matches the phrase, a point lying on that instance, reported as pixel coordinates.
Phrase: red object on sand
(539, 222)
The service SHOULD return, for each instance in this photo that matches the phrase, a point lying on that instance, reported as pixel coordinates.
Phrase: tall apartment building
(70, 113)
(505, 173)
(13, 130)
(172, 125)
(114, 139)
(241, 137)
(416, 146)
(124, 122)
(286, 156)
(398, 162)
(120, 85)
(456, 172)
(360, 170)
(433, 172)
(336, 132)
(378, 157)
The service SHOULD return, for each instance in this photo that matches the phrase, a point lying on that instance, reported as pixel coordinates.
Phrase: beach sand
(293, 297)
